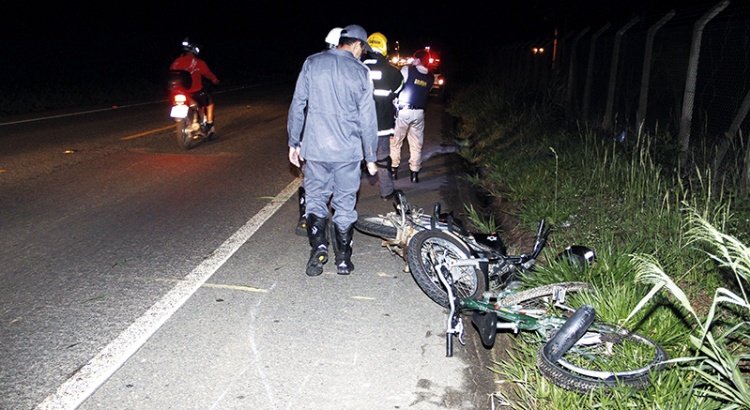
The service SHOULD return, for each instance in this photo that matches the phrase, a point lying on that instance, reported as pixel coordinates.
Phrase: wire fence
(685, 73)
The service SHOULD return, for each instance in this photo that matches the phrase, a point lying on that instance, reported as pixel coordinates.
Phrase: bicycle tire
(576, 377)
(471, 282)
(533, 295)
(379, 226)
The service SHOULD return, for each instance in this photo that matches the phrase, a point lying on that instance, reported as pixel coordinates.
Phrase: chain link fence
(684, 74)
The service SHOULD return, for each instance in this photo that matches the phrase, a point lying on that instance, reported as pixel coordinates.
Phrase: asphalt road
(136, 275)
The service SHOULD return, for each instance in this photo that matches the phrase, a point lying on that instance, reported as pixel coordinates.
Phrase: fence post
(640, 115)
(571, 72)
(590, 71)
(686, 118)
(607, 122)
(543, 63)
(558, 49)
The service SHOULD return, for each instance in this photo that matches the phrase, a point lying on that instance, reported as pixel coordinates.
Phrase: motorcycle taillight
(180, 98)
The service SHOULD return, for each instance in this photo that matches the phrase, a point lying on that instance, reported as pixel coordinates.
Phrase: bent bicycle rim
(605, 357)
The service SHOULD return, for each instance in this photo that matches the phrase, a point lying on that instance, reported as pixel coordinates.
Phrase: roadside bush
(622, 200)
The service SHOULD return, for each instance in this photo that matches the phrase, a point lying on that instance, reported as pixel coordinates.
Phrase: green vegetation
(671, 263)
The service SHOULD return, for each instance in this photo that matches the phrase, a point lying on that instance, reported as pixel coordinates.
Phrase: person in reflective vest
(387, 82)
(410, 107)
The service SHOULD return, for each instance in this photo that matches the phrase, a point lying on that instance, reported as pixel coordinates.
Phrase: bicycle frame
(505, 317)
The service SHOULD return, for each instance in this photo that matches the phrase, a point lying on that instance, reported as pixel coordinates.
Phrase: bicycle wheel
(605, 357)
(379, 226)
(427, 250)
(536, 301)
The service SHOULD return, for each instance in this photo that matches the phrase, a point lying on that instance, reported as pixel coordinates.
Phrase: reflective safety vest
(416, 89)
(387, 81)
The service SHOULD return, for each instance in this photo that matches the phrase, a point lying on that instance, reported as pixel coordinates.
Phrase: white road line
(94, 373)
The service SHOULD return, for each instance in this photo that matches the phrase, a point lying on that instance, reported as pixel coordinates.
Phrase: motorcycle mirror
(577, 256)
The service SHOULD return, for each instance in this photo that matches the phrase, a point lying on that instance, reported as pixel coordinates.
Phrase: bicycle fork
(455, 324)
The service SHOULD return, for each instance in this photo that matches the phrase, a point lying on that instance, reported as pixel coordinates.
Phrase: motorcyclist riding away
(191, 63)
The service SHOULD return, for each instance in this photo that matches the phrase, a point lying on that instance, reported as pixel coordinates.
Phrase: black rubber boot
(317, 232)
(342, 247)
(302, 223)
(415, 177)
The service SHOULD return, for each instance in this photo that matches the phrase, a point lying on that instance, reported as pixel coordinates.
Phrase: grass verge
(644, 216)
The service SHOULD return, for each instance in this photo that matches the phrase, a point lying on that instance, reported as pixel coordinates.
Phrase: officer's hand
(372, 168)
(294, 156)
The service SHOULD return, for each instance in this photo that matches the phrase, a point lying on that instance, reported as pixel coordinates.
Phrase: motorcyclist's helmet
(190, 47)
(378, 42)
(332, 39)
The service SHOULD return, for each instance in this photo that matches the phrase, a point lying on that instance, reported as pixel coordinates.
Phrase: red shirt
(196, 67)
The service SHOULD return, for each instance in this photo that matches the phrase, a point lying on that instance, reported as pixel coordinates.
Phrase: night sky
(49, 41)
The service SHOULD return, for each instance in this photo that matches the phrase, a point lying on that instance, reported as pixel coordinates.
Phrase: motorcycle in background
(187, 111)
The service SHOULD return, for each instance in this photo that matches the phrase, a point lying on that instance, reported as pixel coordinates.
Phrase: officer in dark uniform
(410, 117)
(387, 81)
(332, 127)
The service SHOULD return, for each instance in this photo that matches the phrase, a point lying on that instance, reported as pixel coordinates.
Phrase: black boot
(394, 173)
(317, 232)
(342, 247)
(302, 223)
(415, 177)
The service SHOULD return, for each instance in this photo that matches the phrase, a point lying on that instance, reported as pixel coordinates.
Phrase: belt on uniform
(409, 106)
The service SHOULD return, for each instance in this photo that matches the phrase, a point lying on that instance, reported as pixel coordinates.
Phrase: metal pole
(607, 123)
(646, 74)
(590, 71)
(571, 70)
(692, 74)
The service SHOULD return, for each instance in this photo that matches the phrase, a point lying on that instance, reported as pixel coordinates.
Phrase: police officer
(387, 81)
(410, 116)
(332, 126)
(332, 41)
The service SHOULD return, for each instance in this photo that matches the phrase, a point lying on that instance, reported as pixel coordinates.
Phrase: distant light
(70, 151)
(538, 50)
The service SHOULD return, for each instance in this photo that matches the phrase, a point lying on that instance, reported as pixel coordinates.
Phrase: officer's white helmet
(333, 37)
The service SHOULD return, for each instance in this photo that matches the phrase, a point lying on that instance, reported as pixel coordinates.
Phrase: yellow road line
(143, 134)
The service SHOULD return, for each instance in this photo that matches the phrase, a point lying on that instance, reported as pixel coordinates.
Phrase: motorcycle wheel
(376, 226)
(604, 357)
(186, 134)
(426, 250)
